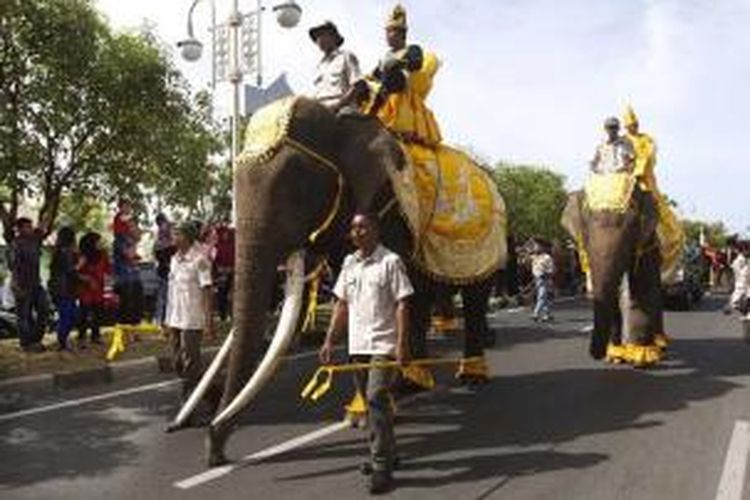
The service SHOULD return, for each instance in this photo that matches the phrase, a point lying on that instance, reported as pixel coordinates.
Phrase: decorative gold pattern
(454, 211)
(451, 205)
(265, 133)
(609, 191)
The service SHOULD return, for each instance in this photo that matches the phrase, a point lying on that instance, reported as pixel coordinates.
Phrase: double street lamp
(235, 49)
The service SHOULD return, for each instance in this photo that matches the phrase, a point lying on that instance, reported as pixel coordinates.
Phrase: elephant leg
(606, 318)
(478, 334)
(421, 311)
(645, 318)
(616, 327)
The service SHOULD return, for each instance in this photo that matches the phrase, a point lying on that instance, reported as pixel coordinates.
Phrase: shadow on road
(465, 437)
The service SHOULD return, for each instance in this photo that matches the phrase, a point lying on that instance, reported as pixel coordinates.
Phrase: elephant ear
(572, 216)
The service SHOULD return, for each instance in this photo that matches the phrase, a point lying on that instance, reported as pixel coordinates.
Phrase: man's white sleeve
(204, 273)
(339, 289)
(401, 287)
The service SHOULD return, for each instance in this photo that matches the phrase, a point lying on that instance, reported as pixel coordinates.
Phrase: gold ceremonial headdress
(397, 18)
(629, 117)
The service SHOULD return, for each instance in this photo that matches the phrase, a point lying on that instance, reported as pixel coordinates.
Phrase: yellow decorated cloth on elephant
(609, 191)
(266, 131)
(669, 230)
(612, 191)
(454, 211)
(406, 112)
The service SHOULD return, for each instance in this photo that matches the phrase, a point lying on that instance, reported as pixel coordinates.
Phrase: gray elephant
(297, 185)
(614, 223)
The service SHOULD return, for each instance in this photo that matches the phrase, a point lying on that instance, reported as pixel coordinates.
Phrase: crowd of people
(88, 286)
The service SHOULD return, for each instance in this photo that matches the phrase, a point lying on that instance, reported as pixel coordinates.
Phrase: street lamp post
(240, 61)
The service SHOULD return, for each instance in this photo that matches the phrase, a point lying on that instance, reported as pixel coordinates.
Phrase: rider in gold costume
(669, 230)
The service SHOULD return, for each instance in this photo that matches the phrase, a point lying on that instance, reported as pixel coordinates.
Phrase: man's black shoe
(381, 482)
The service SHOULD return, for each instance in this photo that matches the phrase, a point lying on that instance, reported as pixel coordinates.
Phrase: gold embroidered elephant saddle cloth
(612, 191)
(451, 206)
(454, 211)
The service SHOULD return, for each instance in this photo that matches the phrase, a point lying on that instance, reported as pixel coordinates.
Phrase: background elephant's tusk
(206, 380)
(284, 333)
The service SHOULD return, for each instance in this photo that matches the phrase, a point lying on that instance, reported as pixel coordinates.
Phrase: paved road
(552, 424)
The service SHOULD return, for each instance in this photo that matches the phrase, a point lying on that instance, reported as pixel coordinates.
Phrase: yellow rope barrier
(322, 380)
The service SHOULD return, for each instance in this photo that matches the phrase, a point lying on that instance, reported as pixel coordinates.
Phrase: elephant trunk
(256, 262)
(610, 252)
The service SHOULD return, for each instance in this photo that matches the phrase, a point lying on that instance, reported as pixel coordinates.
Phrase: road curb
(106, 374)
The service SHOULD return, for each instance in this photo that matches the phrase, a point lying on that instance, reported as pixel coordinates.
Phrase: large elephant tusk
(284, 333)
(200, 389)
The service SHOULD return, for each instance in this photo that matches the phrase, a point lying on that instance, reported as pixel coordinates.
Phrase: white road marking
(732, 481)
(89, 399)
(256, 457)
(286, 446)
(587, 329)
(115, 394)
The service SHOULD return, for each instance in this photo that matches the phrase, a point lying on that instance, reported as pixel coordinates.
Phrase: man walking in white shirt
(189, 305)
(371, 293)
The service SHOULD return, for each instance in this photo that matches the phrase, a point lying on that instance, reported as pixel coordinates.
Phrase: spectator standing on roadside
(542, 270)
(189, 305)
(93, 269)
(129, 287)
(62, 286)
(163, 251)
(32, 306)
(125, 233)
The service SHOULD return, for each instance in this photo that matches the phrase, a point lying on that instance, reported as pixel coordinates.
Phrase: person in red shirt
(93, 269)
(125, 234)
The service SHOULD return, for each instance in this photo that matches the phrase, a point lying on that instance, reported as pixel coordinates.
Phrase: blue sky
(530, 81)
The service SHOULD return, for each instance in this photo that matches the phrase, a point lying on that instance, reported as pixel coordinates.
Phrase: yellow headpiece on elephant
(397, 18)
(629, 117)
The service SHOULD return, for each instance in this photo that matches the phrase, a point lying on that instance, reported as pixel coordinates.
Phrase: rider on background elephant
(669, 231)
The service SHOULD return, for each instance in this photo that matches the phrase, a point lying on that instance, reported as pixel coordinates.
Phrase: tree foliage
(534, 198)
(88, 111)
(715, 233)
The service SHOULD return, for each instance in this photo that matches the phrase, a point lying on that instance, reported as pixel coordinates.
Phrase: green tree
(534, 198)
(87, 111)
(715, 233)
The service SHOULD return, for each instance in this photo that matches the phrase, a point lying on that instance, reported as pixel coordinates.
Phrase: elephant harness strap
(321, 160)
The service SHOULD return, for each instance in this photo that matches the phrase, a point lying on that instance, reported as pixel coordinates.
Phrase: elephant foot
(616, 354)
(215, 448)
(473, 381)
(662, 340)
(473, 372)
(598, 346)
